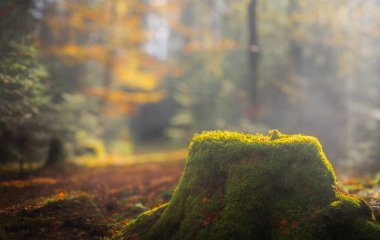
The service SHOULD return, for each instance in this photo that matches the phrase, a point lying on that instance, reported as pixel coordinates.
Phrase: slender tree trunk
(107, 73)
(57, 153)
(253, 62)
(107, 86)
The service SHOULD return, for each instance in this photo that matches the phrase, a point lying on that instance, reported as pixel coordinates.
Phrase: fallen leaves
(88, 203)
(28, 183)
(283, 222)
(83, 203)
(365, 186)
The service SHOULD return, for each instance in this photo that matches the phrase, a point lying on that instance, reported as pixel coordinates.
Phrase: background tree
(253, 51)
(103, 40)
(133, 72)
(213, 78)
(22, 87)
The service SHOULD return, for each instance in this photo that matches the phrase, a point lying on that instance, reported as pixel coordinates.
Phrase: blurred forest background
(101, 80)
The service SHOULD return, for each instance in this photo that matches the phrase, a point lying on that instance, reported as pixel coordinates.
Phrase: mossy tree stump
(240, 186)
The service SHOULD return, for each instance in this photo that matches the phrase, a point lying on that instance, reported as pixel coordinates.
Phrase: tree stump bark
(240, 186)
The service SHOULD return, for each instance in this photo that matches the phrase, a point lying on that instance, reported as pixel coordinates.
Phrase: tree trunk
(107, 85)
(253, 62)
(57, 153)
(108, 74)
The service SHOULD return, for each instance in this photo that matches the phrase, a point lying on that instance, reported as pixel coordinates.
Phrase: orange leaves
(364, 186)
(283, 222)
(43, 181)
(71, 50)
(115, 25)
(82, 53)
(124, 102)
(86, 199)
(74, 54)
(118, 96)
(109, 35)
(61, 195)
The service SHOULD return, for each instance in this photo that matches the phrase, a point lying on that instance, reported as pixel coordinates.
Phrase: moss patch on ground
(54, 219)
(241, 186)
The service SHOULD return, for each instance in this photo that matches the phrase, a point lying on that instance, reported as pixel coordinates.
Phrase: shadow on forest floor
(62, 218)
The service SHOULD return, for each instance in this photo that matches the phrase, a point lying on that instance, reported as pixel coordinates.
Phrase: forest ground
(95, 202)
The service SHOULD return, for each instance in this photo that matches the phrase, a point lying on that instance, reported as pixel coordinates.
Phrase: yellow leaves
(136, 78)
(71, 50)
(82, 53)
(121, 97)
(130, 71)
(110, 36)
(121, 7)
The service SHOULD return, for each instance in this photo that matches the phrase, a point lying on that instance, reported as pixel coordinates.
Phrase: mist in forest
(104, 80)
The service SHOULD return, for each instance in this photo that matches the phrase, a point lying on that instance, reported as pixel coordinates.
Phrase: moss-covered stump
(240, 186)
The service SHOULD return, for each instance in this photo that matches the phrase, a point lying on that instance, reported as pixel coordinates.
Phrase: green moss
(241, 186)
(145, 220)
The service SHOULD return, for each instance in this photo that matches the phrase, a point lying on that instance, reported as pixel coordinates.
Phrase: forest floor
(94, 203)
(82, 202)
